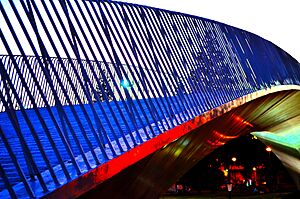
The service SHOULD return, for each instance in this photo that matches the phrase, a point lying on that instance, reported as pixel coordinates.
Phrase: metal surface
(84, 82)
(154, 174)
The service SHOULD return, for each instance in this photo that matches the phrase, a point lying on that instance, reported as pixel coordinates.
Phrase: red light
(241, 120)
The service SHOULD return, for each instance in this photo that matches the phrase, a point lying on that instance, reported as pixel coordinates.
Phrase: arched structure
(153, 175)
(93, 92)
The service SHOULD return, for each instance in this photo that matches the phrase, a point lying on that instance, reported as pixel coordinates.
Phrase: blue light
(126, 83)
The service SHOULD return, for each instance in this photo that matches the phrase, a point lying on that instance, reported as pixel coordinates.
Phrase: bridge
(120, 100)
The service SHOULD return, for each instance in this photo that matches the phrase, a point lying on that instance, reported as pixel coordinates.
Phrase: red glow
(215, 143)
(105, 171)
(241, 120)
(92, 178)
(220, 135)
(269, 149)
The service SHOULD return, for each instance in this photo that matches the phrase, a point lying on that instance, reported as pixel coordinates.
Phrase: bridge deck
(162, 69)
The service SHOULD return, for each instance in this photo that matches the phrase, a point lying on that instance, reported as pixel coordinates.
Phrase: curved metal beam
(149, 169)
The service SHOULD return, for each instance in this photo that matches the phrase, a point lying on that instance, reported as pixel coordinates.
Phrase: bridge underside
(274, 114)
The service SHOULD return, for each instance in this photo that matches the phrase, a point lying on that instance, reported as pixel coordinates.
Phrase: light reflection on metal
(178, 152)
(218, 139)
(290, 162)
(222, 136)
(198, 133)
(215, 143)
(286, 139)
(241, 120)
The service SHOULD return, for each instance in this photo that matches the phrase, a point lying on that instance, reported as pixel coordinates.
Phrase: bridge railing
(84, 81)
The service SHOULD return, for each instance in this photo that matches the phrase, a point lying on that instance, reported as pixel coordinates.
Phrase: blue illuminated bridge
(104, 99)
